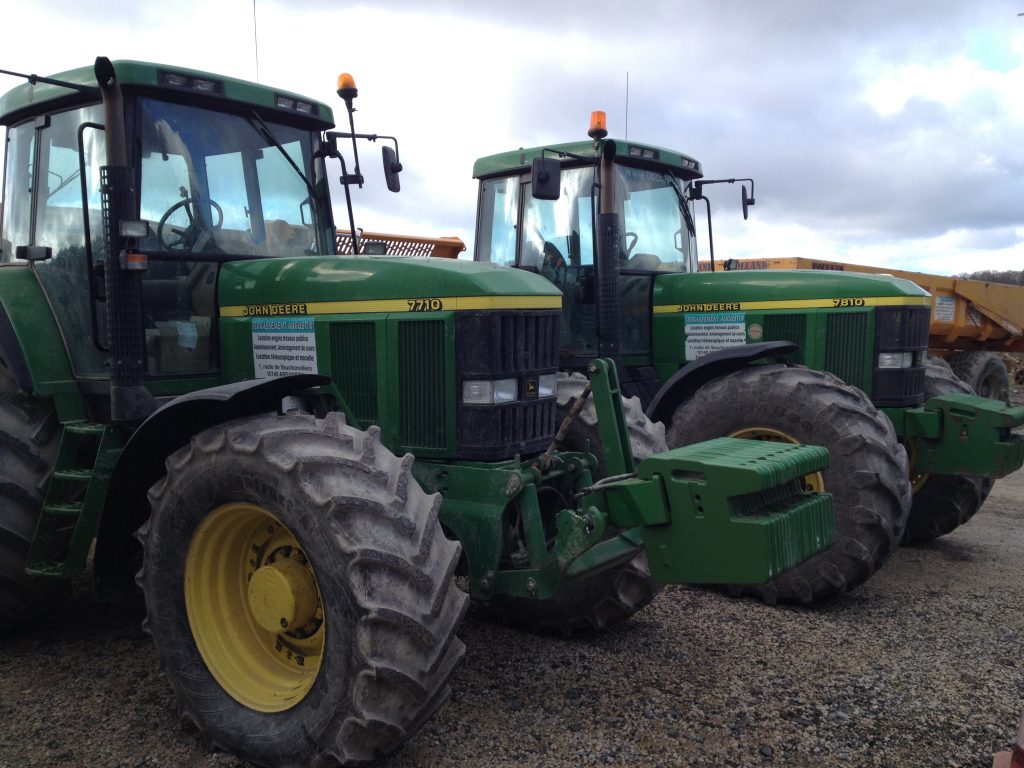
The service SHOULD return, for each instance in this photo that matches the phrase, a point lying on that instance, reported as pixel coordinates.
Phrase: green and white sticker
(708, 332)
(281, 347)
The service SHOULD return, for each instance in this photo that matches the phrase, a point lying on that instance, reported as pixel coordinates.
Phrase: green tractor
(309, 463)
(833, 359)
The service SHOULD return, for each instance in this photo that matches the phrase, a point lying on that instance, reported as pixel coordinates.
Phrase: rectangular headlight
(478, 392)
(506, 390)
(546, 385)
(896, 360)
(490, 392)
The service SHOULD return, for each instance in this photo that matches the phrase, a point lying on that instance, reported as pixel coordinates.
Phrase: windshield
(657, 224)
(219, 183)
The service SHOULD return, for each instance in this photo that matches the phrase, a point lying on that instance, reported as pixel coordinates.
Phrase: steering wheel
(630, 245)
(553, 265)
(191, 236)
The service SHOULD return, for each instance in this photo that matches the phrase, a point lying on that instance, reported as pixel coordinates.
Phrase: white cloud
(876, 130)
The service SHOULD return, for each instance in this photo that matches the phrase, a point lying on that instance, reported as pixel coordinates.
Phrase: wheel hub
(282, 595)
(254, 607)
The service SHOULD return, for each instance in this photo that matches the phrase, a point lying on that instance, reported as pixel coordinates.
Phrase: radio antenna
(627, 103)
(255, 41)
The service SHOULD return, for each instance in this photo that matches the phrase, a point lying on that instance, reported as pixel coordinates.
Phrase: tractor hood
(779, 289)
(343, 285)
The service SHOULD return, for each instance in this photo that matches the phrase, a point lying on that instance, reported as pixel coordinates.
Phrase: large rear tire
(598, 600)
(29, 436)
(867, 472)
(300, 591)
(942, 503)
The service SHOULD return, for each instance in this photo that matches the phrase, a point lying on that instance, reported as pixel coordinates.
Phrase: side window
(61, 226)
(17, 210)
(499, 209)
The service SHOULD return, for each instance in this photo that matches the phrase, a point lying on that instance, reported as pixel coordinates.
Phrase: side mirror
(391, 169)
(546, 178)
(747, 200)
(33, 252)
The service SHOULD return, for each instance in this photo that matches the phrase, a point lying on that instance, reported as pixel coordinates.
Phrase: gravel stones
(922, 665)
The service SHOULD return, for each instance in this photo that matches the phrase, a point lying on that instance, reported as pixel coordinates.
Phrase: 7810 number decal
(847, 302)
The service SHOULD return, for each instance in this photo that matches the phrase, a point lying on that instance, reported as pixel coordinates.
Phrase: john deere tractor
(310, 463)
(834, 359)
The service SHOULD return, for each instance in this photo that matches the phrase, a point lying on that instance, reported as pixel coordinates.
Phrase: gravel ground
(921, 666)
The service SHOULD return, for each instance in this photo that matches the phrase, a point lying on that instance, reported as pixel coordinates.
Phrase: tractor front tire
(300, 591)
(593, 601)
(29, 436)
(984, 373)
(866, 475)
(942, 503)
(646, 437)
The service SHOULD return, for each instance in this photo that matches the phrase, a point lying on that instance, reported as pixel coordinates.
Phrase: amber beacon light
(598, 125)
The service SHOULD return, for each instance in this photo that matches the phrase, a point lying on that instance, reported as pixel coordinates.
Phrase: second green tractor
(828, 358)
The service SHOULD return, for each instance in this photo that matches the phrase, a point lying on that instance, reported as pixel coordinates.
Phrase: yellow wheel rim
(812, 482)
(254, 607)
(917, 478)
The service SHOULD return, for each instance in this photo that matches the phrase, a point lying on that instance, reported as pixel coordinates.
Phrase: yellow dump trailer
(975, 324)
(381, 244)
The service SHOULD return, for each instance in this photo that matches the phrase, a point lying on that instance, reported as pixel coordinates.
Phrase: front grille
(900, 329)
(787, 328)
(354, 368)
(498, 345)
(846, 346)
(421, 384)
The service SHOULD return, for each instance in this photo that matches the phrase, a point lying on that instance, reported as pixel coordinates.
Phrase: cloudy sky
(878, 132)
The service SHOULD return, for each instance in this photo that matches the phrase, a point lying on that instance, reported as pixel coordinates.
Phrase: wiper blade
(673, 182)
(257, 122)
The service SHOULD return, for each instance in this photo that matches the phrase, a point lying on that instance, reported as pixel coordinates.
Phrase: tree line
(1010, 276)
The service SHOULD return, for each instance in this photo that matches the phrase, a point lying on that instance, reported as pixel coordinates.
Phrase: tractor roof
(630, 151)
(29, 99)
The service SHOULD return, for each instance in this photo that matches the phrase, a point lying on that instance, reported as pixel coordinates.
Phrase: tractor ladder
(74, 498)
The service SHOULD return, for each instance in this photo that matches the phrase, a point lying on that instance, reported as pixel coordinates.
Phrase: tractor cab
(583, 215)
(216, 171)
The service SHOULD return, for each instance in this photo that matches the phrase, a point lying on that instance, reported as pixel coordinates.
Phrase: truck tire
(316, 526)
(29, 436)
(598, 600)
(942, 503)
(867, 472)
(984, 373)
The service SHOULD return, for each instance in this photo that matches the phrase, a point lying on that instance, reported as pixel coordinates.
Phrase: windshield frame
(688, 262)
(312, 178)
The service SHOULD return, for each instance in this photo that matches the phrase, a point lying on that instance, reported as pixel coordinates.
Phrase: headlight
(546, 385)
(896, 360)
(490, 392)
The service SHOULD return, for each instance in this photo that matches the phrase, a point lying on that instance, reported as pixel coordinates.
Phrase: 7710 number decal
(425, 305)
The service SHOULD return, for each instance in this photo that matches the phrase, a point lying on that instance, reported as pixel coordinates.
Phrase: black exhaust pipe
(130, 401)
